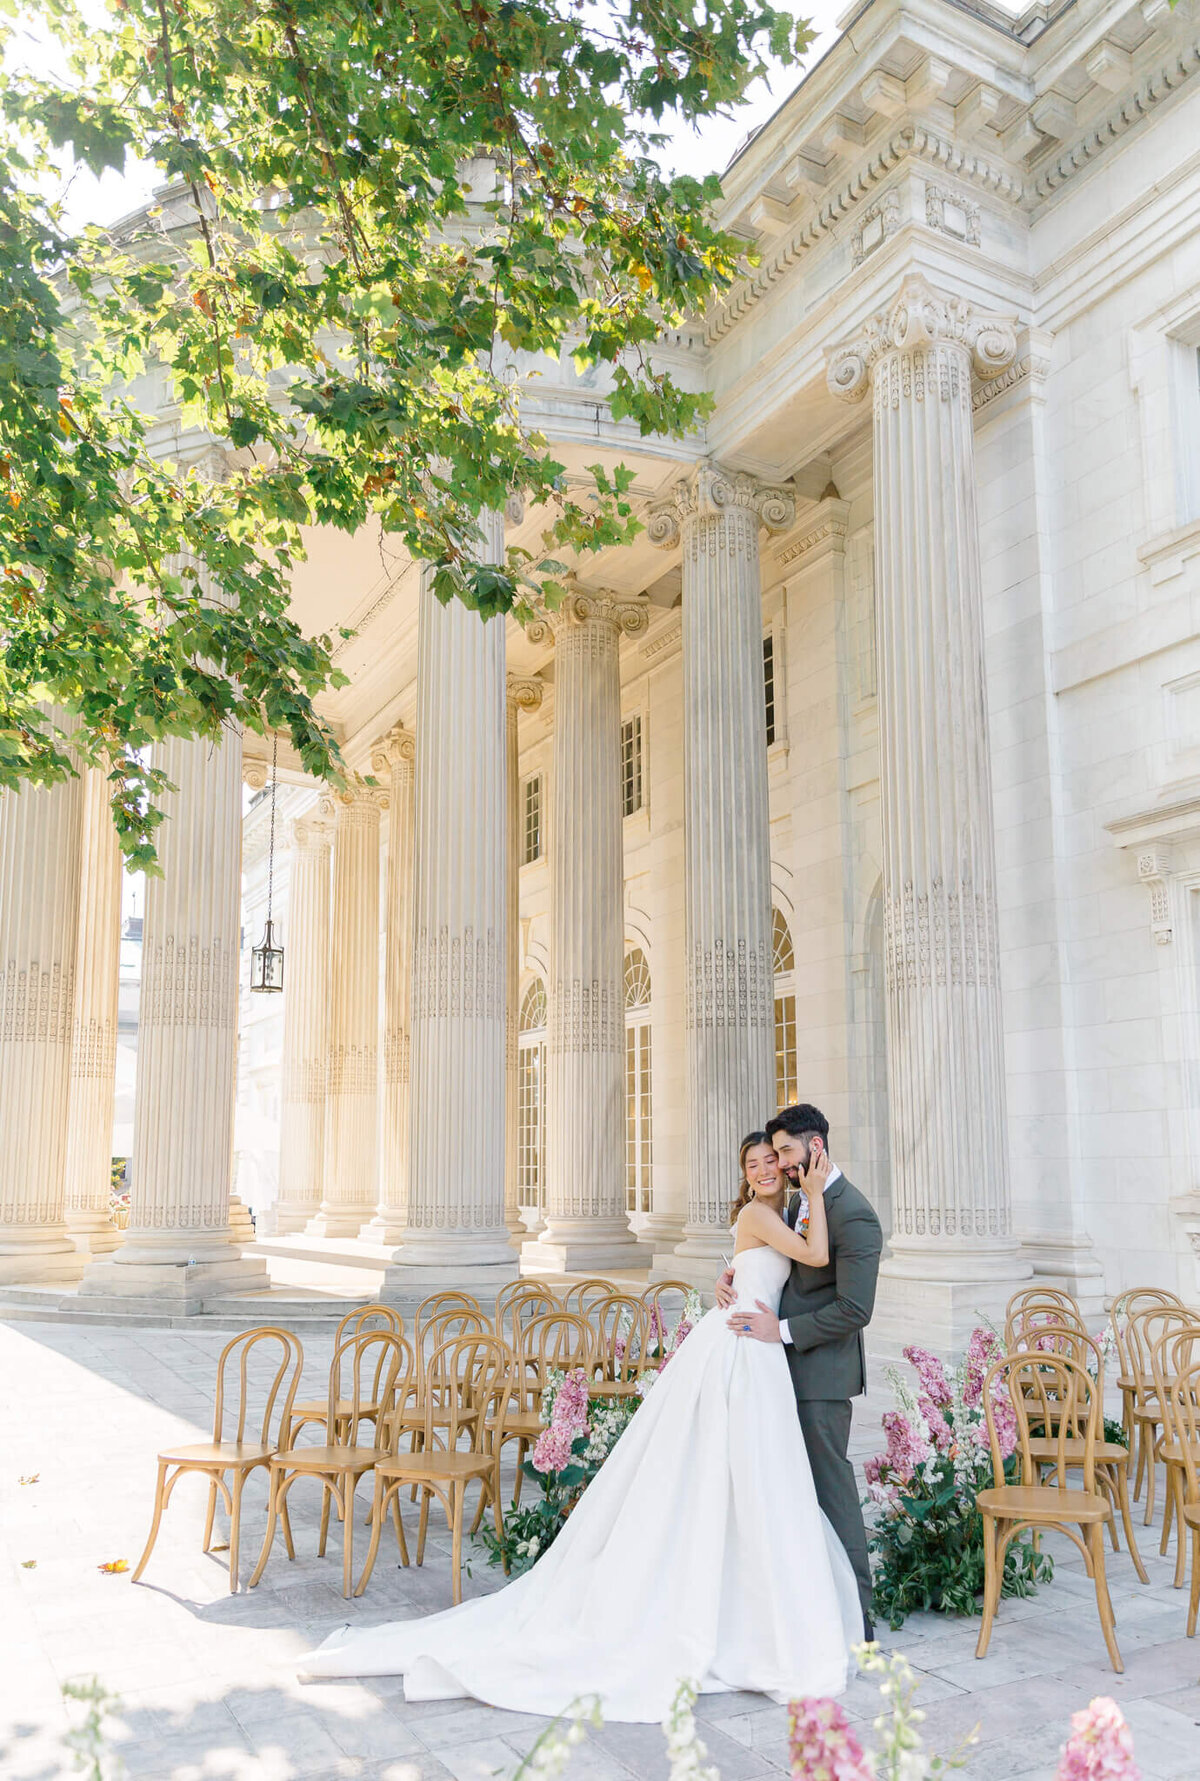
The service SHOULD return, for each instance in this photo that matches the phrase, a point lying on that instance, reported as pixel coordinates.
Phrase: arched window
(531, 1098)
(638, 1085)
(784, 959)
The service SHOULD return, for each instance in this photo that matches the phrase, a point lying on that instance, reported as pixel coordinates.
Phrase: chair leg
(991, 1584)
(401, 1542)
(1139, 1440)
(378, 1517)
(1122, 1473)
(1104, 1480)
(326, 1493)
(457, 1515)
(158, 1510)
(1095, 1540)
(235, 1529)
(286, 1519)
(1151, 1470)
(422, 1524)
(522, 1450)
(1164, 1545)
(498, 1516)
(1194, 1597)
(349, 1487)
(274, 1491)
(209, 1517)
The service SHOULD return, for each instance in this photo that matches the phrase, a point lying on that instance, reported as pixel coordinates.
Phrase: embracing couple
(722, 1540)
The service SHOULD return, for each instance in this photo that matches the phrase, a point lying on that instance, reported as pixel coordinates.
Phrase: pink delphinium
(932, 1374)
(682, 1330)
(940, 1430)
(552, 1450)
(907, 1447)
(1100, 1747)
(982, 1350)
(878, 1488)
(571, 1403)
(821, 1746)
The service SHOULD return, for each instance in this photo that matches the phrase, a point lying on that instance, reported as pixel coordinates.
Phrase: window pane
(769, 685)
(785, 1051)
(531, 848)
(637, 979)
(631, 765)
(781, 944)
(531, 1124)
(638, 1101)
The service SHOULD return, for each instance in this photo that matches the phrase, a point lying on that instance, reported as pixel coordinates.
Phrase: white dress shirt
(785, 1334)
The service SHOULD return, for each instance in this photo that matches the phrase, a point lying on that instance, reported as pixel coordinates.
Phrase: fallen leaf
(114, 1567)
(29, 1564)
(32, 1478)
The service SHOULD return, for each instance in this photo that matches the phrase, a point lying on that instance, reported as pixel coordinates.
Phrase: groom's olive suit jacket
(827, 1309)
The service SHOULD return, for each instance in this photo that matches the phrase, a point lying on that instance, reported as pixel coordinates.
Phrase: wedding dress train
(698, 1551)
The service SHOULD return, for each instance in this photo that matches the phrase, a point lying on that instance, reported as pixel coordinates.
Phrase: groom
(822, 1314)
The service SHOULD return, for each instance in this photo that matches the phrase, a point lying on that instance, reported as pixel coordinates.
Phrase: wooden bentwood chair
(355, 1323)
(1176, 1346)
(1131, 1382)
(213, 1459)
(1052, 1391)
(466, 1386)
(374, 1361)
(1182, 1408)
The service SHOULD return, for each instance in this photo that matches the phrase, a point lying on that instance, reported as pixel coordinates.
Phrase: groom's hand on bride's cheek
(761, 1324)
(724, 1289)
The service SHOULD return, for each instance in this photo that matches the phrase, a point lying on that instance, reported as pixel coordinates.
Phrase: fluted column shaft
(730, 1016)
(523, 695)
(88, 1189)
(187, 1021)
(952, 1216)
(352, 1144)
(586, 1222)
(40, 842)
(395, 760)
(305, 1022)
(456, 1144)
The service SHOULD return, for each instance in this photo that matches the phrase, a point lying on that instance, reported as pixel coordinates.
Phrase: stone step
(299, 1309)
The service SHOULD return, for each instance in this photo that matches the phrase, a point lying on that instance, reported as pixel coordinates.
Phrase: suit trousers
(826, 1426)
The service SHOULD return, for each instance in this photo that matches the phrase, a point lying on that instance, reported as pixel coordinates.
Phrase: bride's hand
(812, 1182)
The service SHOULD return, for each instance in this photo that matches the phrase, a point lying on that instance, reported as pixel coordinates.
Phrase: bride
(697, 1551)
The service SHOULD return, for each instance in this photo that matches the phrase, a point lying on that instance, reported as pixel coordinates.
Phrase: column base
(93, 1233)
(662, 1232)
(388, 1229)
(582, 1246)
(339, 1221)
(289, 1220)
(240, 1221)
(46, 1255)
(405, 1284)
(1069, 1263)
(179, 1289)
(451, 1250)
(938, 1309)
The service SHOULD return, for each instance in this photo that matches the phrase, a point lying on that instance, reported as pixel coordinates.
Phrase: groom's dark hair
(799, 1121)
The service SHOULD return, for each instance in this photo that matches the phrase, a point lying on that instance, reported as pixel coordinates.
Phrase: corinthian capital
(524, 691)
(315, 827)
(395, 750)
(917, 319)
(711, 489)
(601, 606)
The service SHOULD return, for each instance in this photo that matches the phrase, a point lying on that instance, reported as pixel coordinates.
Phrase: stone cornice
(1146, 96)
(919, 318)
(667, 638)
(710, 489)
(832, 523)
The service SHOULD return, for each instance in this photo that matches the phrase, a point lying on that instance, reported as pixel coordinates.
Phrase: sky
(105, 200)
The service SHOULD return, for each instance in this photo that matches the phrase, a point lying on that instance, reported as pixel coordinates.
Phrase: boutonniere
(804, 1227)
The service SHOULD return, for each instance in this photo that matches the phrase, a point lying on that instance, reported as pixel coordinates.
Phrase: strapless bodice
(760, 1274)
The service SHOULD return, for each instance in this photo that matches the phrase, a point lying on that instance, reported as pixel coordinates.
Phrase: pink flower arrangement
(821, 1746)
(1100, 1747)
(568, 1419)
(683, 1329)
(934, 1383)
(983, 1349)
(552, 1449)
(907, 1447)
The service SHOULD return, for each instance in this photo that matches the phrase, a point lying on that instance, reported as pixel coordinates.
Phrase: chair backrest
(588, 1292)
(517, 1289)
(272, 1349)
(466, 1386)
(1144, 1331)
(1042, 1297)
(1059, 1399)
(520, 1308)
(619, 1348)
(1181, 1408)
(1126, 1305)
(363, 1373)
(659, 1319)
(1173, 1337)
(1064, 1338)
(1037, 1311)
(369, 1317)
(557, 1339)
(438, 1302)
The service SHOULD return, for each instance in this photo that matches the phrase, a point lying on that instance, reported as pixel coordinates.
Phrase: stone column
(953, 1249)
(180, 1246)
(393, 762)
(717, 515)
(523, 695)
(587, 1227)
(456, 1230)
(352, 1138)
(94, 1036)
(305, 1022)
(40, 848)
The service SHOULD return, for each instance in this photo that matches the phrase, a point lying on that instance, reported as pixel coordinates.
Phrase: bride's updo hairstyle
(744, 1194)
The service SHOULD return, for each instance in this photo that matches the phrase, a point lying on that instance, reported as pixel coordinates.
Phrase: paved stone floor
(206, 1681)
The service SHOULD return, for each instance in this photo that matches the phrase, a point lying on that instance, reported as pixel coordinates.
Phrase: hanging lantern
(266, 959)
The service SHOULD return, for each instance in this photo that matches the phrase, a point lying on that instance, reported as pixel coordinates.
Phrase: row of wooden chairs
(1053, 1373)
(463, 1376)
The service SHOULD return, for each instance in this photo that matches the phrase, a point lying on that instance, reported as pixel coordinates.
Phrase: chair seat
(1108, 1453)
(436, 1463)
(330, 1459)
(612, 1388)
(345, 1407)
(1043, 1502)
(518, 1422)
(1172, 1452)
(219, 1453)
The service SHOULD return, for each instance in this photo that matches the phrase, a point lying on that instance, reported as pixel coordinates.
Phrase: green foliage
(929, 1547)
(86, 1739)
(384, 219)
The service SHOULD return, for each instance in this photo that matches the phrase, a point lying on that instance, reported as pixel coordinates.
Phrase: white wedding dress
(698, 1551)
